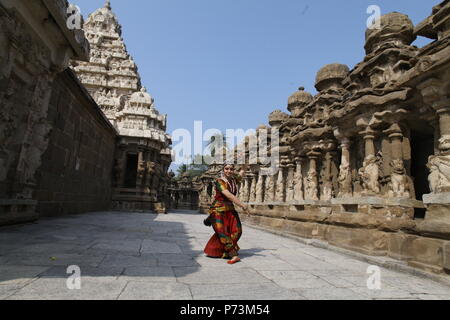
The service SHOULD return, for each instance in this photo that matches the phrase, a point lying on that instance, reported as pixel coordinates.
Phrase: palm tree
(182, 169)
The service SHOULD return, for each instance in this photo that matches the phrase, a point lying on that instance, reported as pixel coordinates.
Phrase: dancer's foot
(234, 260)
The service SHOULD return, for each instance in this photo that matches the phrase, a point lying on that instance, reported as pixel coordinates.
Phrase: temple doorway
(131, 171)
(422, 147)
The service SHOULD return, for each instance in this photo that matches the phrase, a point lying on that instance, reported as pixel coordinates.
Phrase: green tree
(182, 169)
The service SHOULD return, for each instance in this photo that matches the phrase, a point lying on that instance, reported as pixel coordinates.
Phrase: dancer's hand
(245, 208)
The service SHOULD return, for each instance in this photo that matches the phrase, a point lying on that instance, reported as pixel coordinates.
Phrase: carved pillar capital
(369, 137)
(395, 134)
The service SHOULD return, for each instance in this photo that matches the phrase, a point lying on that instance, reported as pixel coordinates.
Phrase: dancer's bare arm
(235, 200)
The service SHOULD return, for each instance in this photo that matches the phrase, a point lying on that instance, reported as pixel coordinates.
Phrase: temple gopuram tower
(143, 152)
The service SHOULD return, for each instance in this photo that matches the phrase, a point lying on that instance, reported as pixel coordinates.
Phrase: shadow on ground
(117, 254)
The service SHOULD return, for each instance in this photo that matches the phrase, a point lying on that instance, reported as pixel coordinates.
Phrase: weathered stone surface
(260, 291)
(150, 274)
(56, 289)
(428, 253)
(128, 261)
(447, 256)
(25, 95)
(271, 264)
(19, 274)
(366, 158)
(151, 246)
(155, 291)
(207, 275)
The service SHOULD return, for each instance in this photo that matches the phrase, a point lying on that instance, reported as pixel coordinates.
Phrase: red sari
(225, 221)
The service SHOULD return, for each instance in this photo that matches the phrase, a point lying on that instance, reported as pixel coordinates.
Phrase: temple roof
(299, 99)
(394, 26)
(331, 73)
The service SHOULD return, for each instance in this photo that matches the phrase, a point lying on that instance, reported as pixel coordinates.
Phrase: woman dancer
(224, 218)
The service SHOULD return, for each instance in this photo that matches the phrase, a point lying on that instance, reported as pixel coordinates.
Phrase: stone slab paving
(152, 257)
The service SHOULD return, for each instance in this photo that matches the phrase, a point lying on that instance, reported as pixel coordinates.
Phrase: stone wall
(365, 163)
(35, 46)
(76, 170)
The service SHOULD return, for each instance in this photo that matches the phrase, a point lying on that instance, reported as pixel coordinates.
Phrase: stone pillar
(245, 191)
(345, 174)
(396, 137)
(140, 170)
(260, 189)
(298, 179)
(270, 189)
(280, 187)
(241, 190)
(370, 172)
(327, 183)
(253, 189)
(369, 137)
(399, 186)
(290, 192)
(311, 181)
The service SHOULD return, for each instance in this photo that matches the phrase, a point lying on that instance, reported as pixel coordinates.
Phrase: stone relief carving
(399, 186)
(270, 189)
(290, 184)
(311, 185)
(345, 180)
(369, 174)
(279, 192)
(439, 177)
(260, 189)
(253, 189)
(298, 183)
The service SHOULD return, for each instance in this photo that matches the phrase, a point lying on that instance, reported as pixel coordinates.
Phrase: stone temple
(78, 132)
(365, 163)
(143, 153)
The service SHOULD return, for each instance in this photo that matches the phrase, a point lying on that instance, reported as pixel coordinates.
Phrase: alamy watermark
(374, 21)
(74, 17)
(74, 280)
(374, 280)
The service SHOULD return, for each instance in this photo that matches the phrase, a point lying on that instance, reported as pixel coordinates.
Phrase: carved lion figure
(399, 180)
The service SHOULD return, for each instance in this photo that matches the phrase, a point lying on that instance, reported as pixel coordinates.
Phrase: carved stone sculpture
(399, 180)
(369, 175)
(260, 189)
(298, 183)
(311, 185)
(279, 195)
(345, 181)
(439, 177)
(253, 189)
(270, 189)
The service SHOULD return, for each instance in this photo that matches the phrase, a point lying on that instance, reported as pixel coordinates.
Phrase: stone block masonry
(76, 174)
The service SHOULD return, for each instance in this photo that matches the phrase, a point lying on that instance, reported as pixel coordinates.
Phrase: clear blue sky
(230, 63)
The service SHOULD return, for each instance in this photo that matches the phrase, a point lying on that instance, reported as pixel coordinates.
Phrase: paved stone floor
(144, 256)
